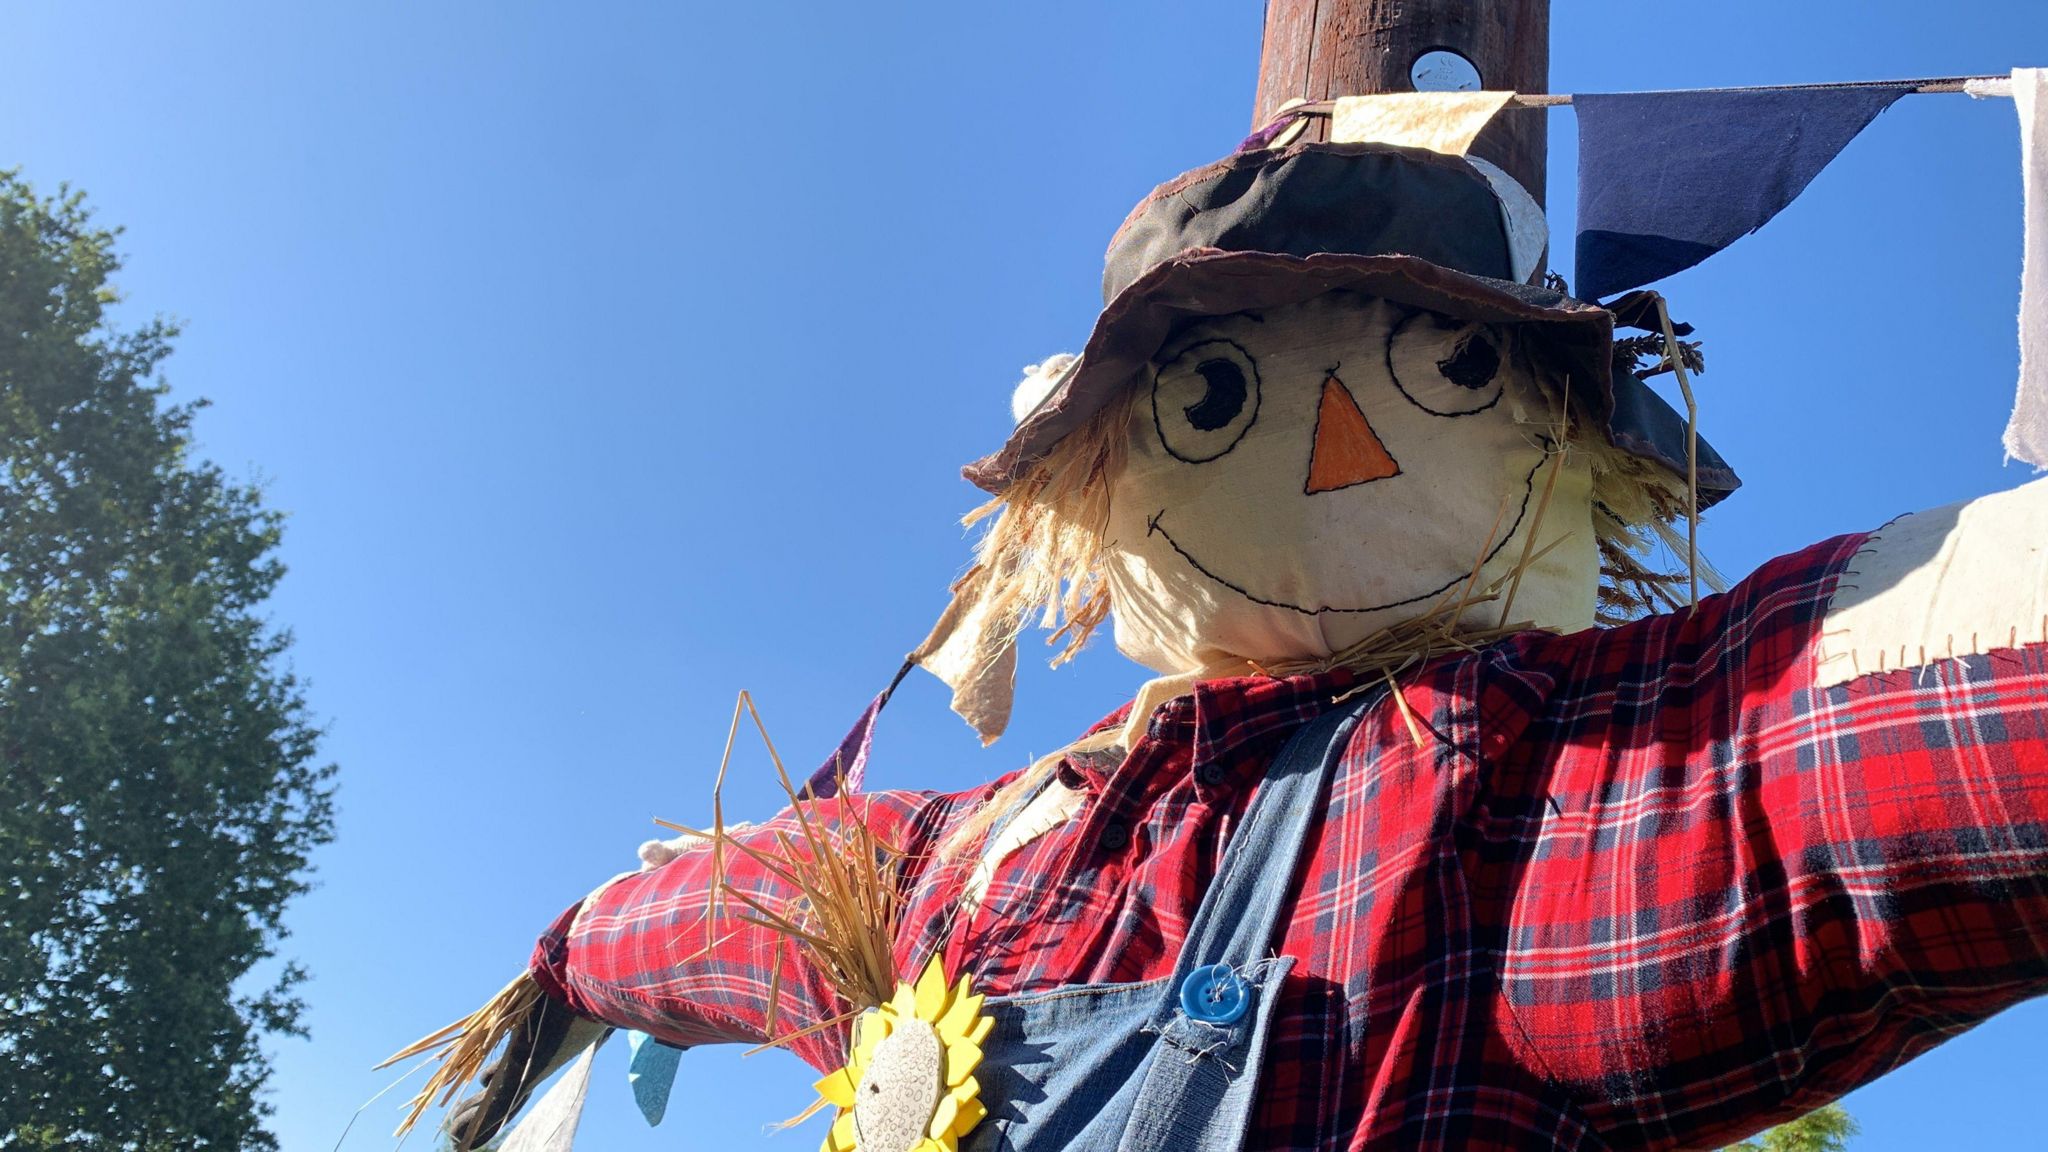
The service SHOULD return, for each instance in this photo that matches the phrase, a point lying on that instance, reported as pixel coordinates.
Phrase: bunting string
(1978, 86)
(1974, 85)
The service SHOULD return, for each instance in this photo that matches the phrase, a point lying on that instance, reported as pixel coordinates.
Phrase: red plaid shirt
(1646, 887)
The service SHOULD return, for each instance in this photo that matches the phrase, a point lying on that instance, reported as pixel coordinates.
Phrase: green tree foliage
(158, 786)
(1824, 1129)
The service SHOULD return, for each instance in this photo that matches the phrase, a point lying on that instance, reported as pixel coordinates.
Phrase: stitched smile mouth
(1153, 526)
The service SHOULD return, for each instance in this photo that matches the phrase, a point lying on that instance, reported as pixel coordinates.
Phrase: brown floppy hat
(1267, 228)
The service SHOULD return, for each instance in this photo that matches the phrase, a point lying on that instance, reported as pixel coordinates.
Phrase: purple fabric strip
(1264, 137)
(850, 760)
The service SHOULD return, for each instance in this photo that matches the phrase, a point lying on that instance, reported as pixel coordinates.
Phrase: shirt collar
(1238, 725)
(1231, 726)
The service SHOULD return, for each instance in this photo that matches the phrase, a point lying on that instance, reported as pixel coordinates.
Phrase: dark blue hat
(1267, 228)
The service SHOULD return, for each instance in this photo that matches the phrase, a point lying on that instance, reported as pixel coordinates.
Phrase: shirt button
(1210, 774)
(1214, 994)
(1114, 837)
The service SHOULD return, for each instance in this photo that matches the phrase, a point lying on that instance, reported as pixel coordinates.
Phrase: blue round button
(1215, 994)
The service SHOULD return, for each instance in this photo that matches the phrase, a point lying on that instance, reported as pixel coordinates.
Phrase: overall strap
(1236, 920)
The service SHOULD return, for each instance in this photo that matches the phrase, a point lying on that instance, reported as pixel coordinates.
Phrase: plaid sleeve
(652, 951)
(1727, 896)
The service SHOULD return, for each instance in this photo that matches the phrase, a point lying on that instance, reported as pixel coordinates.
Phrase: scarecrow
(1450, 822)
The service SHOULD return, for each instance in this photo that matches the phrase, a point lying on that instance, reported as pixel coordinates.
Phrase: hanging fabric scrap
(1667, 179)
(551, 1125)
(652, 1073)
(2026, 434)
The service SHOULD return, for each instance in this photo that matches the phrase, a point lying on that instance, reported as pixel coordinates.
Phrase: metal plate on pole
(1442, 70)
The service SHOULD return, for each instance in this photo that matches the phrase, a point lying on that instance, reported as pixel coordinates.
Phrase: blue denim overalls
(1168, 1065)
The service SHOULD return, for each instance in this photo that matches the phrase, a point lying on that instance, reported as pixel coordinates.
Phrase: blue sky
(610, 360)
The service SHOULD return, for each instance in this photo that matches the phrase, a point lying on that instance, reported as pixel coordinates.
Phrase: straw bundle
(460, 1050)
(844, 906)
(842, 916)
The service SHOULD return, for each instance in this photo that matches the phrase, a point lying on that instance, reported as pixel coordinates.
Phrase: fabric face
(1300, 478)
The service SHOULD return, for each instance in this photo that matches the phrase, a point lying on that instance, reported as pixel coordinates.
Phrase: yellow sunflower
(909, 1085)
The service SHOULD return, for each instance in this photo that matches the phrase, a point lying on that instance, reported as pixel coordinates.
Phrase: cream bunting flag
(1444, 122)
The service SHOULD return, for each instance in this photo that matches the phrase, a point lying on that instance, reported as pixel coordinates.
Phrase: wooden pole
(1318, 49)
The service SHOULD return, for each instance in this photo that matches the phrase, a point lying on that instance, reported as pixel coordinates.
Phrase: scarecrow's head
(1299, 478)
(1321, 402)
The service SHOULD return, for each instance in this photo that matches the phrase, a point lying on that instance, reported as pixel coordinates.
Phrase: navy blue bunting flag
(1667, 179)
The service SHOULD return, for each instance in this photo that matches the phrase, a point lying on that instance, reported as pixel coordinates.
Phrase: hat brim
(1210, 282)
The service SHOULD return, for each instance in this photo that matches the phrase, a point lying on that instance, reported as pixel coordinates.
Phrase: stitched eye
(1204, 399)
(1447, 367)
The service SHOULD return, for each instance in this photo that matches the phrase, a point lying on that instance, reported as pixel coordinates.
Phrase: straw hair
(1042, 553)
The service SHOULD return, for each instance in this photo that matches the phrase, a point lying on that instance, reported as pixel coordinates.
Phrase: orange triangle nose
(1346, 452)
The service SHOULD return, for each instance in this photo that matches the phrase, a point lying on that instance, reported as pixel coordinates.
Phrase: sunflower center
(900, 1089)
